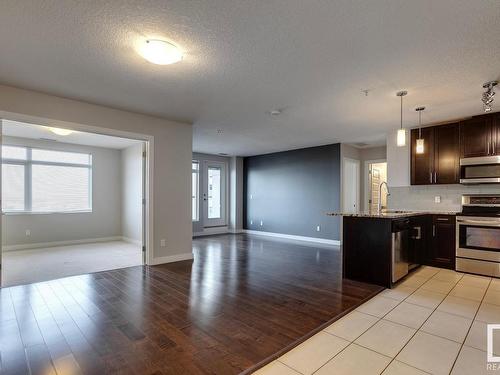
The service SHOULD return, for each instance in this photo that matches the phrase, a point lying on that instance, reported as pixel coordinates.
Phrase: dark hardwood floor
(242, 300)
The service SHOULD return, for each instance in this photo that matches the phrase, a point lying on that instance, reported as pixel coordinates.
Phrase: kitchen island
(381, 248)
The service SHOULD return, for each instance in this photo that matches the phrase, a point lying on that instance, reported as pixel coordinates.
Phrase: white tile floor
(434, 322)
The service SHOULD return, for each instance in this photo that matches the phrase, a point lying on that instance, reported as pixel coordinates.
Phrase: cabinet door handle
(488, 147)
(430, 177)
(442, 219)
(433, 231)
(435, 177)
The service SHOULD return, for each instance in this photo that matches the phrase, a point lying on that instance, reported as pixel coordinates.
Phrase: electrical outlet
(437, 199)
(261, 223)
(163, 242)
(28, 232)
(318, 228)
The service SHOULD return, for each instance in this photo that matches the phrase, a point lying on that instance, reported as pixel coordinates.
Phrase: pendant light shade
(401, 137)
(420, 147)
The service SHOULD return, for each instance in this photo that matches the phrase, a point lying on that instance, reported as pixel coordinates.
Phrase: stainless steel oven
(480, 170)
(478, 235)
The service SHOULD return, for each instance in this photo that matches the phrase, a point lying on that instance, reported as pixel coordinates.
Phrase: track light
(487, 97)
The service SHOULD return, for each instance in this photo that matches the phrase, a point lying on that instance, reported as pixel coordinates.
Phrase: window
(38, 180)
(195, 190)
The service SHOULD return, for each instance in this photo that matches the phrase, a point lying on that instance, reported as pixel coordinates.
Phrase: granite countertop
(391, 214)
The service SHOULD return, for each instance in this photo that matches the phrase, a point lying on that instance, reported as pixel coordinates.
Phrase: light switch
(318, 228)
(261, 223)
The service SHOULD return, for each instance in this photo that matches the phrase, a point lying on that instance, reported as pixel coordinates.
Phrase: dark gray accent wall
(291, 191)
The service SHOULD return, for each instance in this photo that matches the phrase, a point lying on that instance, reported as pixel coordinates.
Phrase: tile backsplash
(423, 197)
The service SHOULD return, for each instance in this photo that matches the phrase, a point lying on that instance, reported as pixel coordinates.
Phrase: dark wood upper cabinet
(446, 154)
(495, 131)
(422, 165)
(476, 137)
(439, 164)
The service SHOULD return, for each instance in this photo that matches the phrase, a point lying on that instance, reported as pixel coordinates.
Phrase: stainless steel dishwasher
(399, 248)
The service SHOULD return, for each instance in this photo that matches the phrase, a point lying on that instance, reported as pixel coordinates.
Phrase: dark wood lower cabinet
(441, 244)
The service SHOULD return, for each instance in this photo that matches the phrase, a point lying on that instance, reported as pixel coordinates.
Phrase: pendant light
(401, 138)
(420, 141)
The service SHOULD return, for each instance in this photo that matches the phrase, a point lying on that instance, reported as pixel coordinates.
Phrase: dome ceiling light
(160, 52)
(60, 131)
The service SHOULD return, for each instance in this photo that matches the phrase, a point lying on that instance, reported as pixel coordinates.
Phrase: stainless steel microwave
(480, 170)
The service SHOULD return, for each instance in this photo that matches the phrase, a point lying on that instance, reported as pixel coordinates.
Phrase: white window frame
(197, 171)
(28, 164)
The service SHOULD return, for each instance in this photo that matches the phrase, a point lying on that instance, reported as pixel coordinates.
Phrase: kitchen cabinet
(419, 238)
(480, 136)
(422, 165)
(440, 162)
(446, 154)
(441, 247)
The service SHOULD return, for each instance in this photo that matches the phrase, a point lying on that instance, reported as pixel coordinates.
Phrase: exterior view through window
(214, 192)
(195, 190)
(39, 180)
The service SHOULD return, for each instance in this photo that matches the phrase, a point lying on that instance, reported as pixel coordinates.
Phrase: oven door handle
(485, 223)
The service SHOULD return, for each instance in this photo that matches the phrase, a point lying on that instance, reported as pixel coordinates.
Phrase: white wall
(170, 193)
(103, 222)
(398, 161)
(236, 194)
(131, 184)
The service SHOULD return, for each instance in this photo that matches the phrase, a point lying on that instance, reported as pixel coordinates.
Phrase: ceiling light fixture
(275, 112)
(487, 97)
(60, 131)
(401, 137)
(160, 52)
(420, 141)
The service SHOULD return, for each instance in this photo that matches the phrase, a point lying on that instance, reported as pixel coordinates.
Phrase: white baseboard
(171, 259)
(132, 241)
(38, 245)
(293, 237)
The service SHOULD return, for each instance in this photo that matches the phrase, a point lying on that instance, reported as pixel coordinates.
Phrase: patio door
(214, 194)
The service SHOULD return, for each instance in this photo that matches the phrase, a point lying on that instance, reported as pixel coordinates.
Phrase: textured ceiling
(243, 58)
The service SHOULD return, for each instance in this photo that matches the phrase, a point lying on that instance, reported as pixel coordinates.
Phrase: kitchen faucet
(379, 205)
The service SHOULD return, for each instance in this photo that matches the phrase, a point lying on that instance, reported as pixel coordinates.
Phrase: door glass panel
(214, 192)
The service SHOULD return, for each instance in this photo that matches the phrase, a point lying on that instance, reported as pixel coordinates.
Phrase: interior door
(214, 194)
(351, 185)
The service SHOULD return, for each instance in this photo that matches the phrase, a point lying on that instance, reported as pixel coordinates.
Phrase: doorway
(376, 173)
(73, 202)
(214, 194)
(350, 186)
